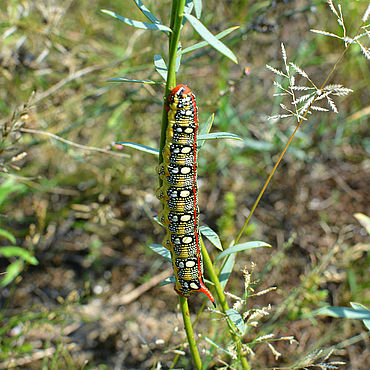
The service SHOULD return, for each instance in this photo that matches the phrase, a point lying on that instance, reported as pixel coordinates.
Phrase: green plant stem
(182, 346)
(189, 332)
(176, 21)
(224, 305)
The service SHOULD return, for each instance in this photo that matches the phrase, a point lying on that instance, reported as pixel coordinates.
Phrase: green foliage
(212, 236)
(137, 24)
(19, 257)
(90, 214)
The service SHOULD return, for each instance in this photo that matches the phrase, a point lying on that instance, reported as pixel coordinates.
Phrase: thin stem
(269, 178)
(71, 143)
(189, 332)
(224, 305)
(176, 21)
(182, 346)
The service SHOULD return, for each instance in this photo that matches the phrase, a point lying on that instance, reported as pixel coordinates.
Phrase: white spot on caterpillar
(187, 239)
(193, 286)
(188, 130)
(173, 194)
(188, 112)
(186, 150)
(185, 218)
(185, 170)
(175, 170)
(176, 150)
(190, 264)
(184, 193)
(181, 265)
(185, 284)
(179, 129)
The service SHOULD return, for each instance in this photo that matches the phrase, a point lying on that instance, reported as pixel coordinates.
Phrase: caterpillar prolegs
(179, 193)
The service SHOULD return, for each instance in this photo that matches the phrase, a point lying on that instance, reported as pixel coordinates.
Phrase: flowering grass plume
(364, 29)
(302, 97)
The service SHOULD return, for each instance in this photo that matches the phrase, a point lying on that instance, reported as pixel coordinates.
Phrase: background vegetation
(86, 290)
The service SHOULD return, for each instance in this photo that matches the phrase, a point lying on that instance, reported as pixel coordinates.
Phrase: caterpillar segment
(178, 222)
(179, 193)
(180, 154)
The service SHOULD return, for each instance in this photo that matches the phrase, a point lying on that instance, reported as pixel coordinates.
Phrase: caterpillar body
(179, 193)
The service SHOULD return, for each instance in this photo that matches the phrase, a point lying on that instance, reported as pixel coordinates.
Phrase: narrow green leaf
(121, 79)
(7, 235)
(241, 247)
(143, 148)
(218, 135)
(13, 251)
(147, 12)
(205, 130)
(188, 8)
(202, 44)
(345, 312)
(169, 280)
(359, 306)
(198, 7)
(236, 319)
(12, 271)
(257, 145)
(160, 66)
(226, 270)
(161, 250)
(137, 24)
(212, 40)
(211, 236)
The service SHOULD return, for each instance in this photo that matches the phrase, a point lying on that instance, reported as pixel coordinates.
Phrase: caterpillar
(179, 193)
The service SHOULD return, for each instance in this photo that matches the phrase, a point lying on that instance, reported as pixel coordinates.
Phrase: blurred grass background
(88, 216)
